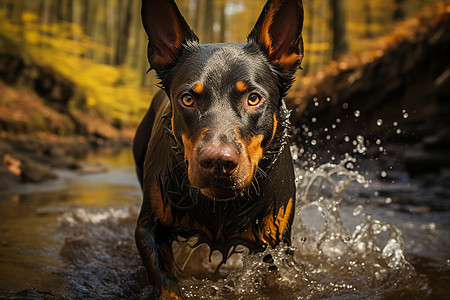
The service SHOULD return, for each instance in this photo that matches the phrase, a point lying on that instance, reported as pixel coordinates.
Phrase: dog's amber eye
(254, 99)
(187, 100)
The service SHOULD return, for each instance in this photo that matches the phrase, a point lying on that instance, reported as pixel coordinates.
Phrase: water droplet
(346, 139)
(328, 137)
(338, 120)
(378, 141)
(345, 105)
(358, 210)
(333, 126)
(379, 122)
(383, 174)
(405, 115)
(388, 200)
(357, 113)
(314, 120)
(303, 239)
(381, 149)
(360, 144)
(316, 103)
(432, 226)
(328, 99)
(399, 131)
(313, 142)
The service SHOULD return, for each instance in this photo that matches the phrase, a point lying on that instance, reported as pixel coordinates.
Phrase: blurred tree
(208, 24)
(399, 12)
(367, 13)
(124, 21)
(338, 27)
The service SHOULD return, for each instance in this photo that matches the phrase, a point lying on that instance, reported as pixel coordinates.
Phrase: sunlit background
(101, 46)
(370, 133)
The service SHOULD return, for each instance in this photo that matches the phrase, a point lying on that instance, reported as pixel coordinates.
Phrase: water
(74, 239)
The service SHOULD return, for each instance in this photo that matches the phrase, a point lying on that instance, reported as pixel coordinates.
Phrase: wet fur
(261, 212)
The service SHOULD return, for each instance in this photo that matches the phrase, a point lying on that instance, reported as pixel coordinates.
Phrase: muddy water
(73, 239)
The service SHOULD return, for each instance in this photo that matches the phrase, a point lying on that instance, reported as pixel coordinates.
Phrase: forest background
(100, 44)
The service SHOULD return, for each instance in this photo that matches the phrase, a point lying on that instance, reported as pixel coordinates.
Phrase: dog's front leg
(159, 275)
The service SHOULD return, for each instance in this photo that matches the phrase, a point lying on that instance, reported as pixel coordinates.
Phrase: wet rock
(35, 172)
(28, 294)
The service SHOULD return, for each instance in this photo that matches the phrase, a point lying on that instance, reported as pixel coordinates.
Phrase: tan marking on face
(275, 124)
(254, 152)
(198, 88)
(172, 123)
(254, 149)
(190, 145)
(274, 230)
(188, 148)
(241, 86)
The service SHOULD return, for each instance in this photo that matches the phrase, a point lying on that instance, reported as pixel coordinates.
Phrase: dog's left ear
(278, 33)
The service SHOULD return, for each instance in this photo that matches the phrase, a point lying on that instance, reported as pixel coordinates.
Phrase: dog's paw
(170, 295)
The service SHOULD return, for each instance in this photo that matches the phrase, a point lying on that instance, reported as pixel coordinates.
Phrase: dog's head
(226, 98)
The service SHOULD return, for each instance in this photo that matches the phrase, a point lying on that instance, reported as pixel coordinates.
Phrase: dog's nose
(220, 160)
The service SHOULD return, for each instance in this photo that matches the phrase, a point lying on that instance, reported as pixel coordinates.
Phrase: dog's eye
(187, 100)
(254, 99)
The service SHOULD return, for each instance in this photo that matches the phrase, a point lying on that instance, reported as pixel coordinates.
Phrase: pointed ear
(167, 31)
(278, 33)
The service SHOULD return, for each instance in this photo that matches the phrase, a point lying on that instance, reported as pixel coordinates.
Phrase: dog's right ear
(167, 31)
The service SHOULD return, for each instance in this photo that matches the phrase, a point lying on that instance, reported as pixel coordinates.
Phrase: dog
(212, 152)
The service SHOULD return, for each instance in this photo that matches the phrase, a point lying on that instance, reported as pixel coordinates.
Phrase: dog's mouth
(222, 171)
(219, 193)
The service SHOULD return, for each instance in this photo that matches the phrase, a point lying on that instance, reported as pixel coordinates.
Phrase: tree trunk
(125, 14)
(399, 11)
(223, 22)
(368, 14)
(208, 25)
(338, 28)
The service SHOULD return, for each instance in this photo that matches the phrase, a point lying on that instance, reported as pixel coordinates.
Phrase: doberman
(212, 152)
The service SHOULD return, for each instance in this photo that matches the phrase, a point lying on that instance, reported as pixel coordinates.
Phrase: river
(74, 238)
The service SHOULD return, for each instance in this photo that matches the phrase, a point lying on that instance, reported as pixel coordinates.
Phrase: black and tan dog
(212, 152)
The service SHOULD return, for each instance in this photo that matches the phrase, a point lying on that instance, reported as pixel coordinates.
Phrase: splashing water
(326, 259)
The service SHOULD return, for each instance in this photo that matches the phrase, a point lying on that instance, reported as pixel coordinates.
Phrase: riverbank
(34, 158)
(46, 122)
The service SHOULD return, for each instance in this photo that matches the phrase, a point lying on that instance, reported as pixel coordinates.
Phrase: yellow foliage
(111, 91)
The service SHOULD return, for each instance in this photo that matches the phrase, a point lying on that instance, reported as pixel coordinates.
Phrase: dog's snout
(220, 160)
